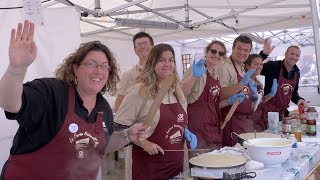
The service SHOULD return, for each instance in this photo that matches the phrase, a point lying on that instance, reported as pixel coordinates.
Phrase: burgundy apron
(169, 135)
(241, 121)
(280, 102)
(260, 122)
(74, 153)
(204, 116)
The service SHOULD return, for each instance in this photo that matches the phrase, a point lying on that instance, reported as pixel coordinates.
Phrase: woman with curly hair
(61, 133)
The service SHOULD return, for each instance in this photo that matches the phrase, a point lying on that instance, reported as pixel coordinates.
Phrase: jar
(311, 127)
(286, 125)
(295, 124)
(303, 126)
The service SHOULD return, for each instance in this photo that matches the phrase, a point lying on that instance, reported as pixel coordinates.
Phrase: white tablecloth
(301, 161)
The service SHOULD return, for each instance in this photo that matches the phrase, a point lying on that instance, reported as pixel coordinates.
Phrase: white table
(300, 163)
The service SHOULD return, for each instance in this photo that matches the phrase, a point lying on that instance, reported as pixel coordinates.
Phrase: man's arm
(117, 141)
(269, 73)
(295, 95)
(230, 90)
(137, 133)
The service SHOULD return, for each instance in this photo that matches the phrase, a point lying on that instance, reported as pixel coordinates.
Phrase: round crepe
(217, 160)
(247, 136)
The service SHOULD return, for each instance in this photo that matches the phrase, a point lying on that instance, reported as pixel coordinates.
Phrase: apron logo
(286, 88)
(180, 118)
(82, 144)
(174, 133)
(83, 141)
(215, 91)
(73, 128)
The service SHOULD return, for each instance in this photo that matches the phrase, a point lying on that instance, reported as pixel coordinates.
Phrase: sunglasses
(214, 51)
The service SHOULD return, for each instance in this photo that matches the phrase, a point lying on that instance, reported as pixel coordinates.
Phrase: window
(186, 59)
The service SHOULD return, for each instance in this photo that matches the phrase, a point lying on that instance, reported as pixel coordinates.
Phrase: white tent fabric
(201, 18)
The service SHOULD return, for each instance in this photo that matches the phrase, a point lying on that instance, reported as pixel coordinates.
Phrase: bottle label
(286, 128)
(304, 128)
(311, 128)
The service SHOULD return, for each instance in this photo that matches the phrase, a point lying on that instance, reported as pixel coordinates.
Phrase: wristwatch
(126, 135)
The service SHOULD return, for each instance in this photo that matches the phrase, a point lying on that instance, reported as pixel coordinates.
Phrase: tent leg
(315, 23)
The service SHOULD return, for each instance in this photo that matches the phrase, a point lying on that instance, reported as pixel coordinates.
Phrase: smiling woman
(68, 112)
(160, 156)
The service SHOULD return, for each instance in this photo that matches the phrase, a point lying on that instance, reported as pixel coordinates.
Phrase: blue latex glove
(254, 90)
(246, 77)
(198, 69)
(191, 138)
(274, 88)
(233, 98)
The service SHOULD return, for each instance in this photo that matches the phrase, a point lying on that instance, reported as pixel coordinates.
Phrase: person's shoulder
(132, 70)
(134, 89)
(225, 64)
(272, 64)
(103, 102)
(296, 68)
(46, 83)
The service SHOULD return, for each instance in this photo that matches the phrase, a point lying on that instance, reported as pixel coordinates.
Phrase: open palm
(22, 49)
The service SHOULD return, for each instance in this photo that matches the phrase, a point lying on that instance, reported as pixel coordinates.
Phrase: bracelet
(126, 135)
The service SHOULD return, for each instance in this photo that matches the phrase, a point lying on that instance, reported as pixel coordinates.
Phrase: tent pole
(315, 22)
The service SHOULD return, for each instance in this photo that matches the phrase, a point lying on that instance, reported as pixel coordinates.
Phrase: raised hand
(247, 77)
(192, 138)
(267, 48)
(274, 88)
(22, 49)
(234, 97)
(198, 69)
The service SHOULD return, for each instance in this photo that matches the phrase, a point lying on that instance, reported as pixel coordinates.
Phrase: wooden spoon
(165, 86)
(230, 113)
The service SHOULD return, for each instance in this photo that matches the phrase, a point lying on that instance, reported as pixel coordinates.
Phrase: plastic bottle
(286, 125)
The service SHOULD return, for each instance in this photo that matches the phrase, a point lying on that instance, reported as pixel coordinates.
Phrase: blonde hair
(65, 70)
(207, 48)
(148, 79)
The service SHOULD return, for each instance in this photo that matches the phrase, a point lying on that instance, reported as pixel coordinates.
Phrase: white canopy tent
(114, 22)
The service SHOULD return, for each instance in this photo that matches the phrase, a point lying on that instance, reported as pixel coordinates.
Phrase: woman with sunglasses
(202, 89)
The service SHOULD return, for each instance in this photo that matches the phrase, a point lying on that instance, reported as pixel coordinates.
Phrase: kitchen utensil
(165, 86)
(230, 113)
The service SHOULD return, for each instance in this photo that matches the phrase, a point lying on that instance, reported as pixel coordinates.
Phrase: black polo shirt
(44, 108)
(271, 70)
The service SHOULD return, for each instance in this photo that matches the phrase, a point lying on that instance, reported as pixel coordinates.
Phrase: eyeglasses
(214, 51)
(146, 43)
(93, 64)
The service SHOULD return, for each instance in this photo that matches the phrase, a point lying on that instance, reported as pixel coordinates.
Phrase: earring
(75, 80)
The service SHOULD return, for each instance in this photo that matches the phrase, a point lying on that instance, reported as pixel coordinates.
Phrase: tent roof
(193, 19)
